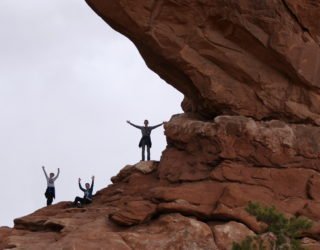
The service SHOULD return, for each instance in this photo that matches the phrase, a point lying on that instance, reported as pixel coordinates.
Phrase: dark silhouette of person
(50, 193)
(87, 197)
(145, 140)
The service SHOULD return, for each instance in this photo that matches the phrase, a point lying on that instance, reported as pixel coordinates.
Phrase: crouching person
(87, 198)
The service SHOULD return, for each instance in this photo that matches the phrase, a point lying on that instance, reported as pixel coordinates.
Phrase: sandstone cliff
(243, 57)
(250, 73)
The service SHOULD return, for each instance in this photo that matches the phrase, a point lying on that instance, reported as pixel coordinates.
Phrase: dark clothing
(82, 201)
(87, 197)
(49, 200)
(145, 131)
(148, 152)
(50, 195)
(50, 191)
(145, 141)
(87, 192)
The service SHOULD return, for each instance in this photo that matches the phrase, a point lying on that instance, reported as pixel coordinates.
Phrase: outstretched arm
(136, 126)
(92, 183)
(81, 188)
(45, 173)
(153, 127)
(57, 175)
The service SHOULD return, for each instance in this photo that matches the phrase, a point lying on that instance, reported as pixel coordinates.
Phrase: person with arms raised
(87, 197)
(50, 193)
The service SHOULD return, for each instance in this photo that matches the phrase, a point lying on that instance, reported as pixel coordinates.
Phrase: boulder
(228, 233)
(172, 231)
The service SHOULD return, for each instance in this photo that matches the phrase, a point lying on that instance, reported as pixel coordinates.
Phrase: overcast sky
(68, 83)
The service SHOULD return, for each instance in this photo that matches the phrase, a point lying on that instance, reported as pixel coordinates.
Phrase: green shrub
(286, 231)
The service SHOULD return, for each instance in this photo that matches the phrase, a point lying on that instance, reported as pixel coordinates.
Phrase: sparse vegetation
(281, 234)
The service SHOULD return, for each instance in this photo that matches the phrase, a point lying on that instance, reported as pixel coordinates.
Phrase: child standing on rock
(50, 191)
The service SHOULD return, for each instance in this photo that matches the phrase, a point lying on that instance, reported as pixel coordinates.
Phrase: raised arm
(153, 127)
(45, 173)
(136, 126)
(92, 183)
(82, 189)
(57, 175)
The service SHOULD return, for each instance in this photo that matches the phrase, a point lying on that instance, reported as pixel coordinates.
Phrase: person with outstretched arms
(145, 141)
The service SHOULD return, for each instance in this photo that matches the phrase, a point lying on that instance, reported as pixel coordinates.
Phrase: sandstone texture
(245, 57)
(250, 73)
(228, 233)
(195, 197)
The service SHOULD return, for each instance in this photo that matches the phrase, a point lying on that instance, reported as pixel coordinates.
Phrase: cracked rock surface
(246, 57)
(197, 193)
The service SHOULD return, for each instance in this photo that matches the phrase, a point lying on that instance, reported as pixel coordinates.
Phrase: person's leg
(143, 149)
(87, 201)
(49, 199)
(77, 200)
(148, 153)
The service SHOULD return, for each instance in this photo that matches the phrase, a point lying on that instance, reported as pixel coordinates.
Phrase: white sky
(68, 83)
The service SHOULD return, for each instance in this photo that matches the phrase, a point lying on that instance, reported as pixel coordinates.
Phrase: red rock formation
(253, 58)
(228, 233)
(250, 73)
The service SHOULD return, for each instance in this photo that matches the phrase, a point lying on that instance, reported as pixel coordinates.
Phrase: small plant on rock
(281, 233)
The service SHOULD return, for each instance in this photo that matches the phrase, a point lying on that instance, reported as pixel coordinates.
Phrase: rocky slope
(250, 73)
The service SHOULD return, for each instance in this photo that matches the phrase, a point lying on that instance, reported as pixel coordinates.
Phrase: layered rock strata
(250, 73)
(253, 58)
(195, 197)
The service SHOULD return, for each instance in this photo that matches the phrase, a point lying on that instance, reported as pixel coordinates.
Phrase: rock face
(250, 73)
(254, 58)
(230, 232)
